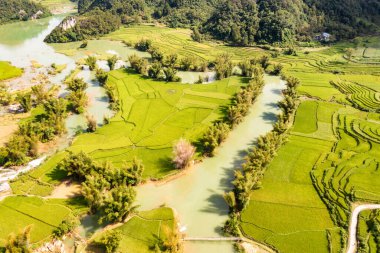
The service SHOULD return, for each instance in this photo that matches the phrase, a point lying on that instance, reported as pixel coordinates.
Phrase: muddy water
(197, 196)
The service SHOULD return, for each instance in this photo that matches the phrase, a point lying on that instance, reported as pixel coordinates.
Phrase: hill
(11, 10)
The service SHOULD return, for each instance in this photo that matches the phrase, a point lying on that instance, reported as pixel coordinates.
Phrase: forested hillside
(246, 22)
(21, 10)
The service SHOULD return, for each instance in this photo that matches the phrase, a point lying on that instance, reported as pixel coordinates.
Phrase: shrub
(183, 153)
(111, 241)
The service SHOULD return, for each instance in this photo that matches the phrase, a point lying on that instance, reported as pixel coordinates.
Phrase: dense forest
(21, 10)
(240, 22)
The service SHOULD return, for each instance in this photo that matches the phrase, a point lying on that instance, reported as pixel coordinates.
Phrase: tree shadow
(277, 91)
(272, 105)
(269, 117)
(57, 174)
(217, 204)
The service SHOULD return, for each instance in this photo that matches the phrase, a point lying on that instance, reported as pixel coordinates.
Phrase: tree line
(13, 10)
(249, 177)
(240, 22)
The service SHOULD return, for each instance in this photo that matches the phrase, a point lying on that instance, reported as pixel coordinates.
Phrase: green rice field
(7, 71)
(141, 232)
(44, 215)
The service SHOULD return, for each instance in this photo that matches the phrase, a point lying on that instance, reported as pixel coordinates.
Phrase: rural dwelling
(323, 37)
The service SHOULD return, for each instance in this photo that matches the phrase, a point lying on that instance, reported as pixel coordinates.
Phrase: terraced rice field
(141, 232)
(361, 96)
(179, 41)
(330, 162)
(43, 215)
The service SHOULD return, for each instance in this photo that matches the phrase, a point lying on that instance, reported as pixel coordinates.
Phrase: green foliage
(223, 66)
(19, 243)
(144, 45)
(111, 61)
(102, 76)
(66, 226)
(140, 65)
(91, 62)
(11, 10)
(235, 21)
(213, 137)
(25, 100)
(91, 25)
(77, 97)
(111, 241)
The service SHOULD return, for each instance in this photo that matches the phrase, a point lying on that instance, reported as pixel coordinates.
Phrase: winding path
(352, 241)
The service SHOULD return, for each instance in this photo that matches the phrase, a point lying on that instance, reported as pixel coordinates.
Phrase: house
(323, 37)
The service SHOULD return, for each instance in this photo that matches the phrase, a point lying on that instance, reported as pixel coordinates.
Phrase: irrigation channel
(196, 196)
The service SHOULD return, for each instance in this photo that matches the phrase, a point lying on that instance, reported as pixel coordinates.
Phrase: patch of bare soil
(8, 125)
(66, 190)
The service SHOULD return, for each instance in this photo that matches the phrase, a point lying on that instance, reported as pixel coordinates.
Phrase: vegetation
(7, 71)
(183, 154)
(42, 216)
(13, 10)
(84, 28)
(77, 97)
(145, 232)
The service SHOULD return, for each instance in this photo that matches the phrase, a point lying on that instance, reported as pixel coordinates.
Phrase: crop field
(152, 116)
(366, 222)
(287, 208)
(361, 96)
(179, 41)
(330, 161)
(43, 215)
(142, 231)
(7, 71)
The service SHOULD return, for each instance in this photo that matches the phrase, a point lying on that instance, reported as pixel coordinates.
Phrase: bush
(91, 124)
(66, 226)
(143, 45)
(183, 153)
(111, 241)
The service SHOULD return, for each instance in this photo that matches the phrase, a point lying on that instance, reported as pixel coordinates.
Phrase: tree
(78, 101)
(91, 62)
(66, 226)
(55, 111)
(156, 54)
(118, 204)
(155, 70)
(139, 64)
(91, 124)
(78, 165)
(183, 153)
(134, 172)
(111, 240)
(76, 84)
(24, 98)
(213, 137)
(19, 243)
(102, 76)
(111, 61)
(5, 95)
(143, 45)
(223, 66)
(196, 35)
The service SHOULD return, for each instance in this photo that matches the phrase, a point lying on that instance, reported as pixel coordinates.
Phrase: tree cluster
(77, 97)
(12, 10)
(107, 190)
(90, 25)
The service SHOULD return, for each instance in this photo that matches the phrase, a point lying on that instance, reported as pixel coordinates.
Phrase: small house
(323, 37)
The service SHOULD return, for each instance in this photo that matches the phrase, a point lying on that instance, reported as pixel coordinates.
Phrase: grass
(142, 231)
(43, 215)
(7, 71)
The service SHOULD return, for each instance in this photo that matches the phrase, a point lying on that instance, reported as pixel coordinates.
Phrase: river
(197, 196)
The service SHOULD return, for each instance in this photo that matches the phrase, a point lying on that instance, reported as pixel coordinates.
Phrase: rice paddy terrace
(330, 163)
